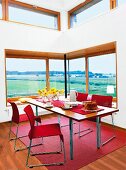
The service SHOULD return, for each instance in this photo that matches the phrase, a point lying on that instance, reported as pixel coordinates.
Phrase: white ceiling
(57, 5)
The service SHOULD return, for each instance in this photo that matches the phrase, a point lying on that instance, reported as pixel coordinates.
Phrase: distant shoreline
(72, 74)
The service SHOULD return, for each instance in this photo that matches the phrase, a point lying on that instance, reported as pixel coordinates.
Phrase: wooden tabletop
(73, 115)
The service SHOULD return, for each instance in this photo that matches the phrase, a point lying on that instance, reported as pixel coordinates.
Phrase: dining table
(73, 115)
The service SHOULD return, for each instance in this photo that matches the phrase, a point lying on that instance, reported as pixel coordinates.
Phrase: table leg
(36, 114)
(71, 138)
(59, 118)
(98, 133)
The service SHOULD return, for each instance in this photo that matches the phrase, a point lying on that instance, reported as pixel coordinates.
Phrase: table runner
(78, 109)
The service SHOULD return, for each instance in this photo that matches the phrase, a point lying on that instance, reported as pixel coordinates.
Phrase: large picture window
(89, 10)
(56, 68)
(102, 75)
(24, 76)
(33, 15)
(76, 76)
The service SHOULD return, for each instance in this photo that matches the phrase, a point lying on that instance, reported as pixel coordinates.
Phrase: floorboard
(10, 160)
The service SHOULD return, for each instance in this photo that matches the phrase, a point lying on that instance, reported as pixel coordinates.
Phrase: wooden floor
(10, 160)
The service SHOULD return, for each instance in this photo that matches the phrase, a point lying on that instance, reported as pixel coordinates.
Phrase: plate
(73, 103)
(48, 106)
(90, 110)
(66, 108)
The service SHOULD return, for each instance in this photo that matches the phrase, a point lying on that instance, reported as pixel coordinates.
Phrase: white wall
(106, 28)
(56, 5)
(68, 5)
(22, 37)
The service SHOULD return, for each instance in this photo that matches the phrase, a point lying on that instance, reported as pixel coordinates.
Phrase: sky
(99, 64)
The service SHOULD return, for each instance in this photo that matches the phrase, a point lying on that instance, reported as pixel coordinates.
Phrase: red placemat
(40, 100)
(80, 109)
(57, 103)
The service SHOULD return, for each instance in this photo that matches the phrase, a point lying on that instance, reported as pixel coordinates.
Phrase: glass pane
(24, 76)
(0, 9)
(56, 74)
(28, 16)
(119, 2)
(90, 12)
(76, 78)
(102, 75)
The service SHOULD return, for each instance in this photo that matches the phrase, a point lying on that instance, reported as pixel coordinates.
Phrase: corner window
(102, 75)
(76, 75)
(88, 11)
(24, 77)
(56, 71)
(33, 15)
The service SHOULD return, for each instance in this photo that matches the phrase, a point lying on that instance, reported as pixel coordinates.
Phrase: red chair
(47, 130)
(101, 100)
(105, 101)
(82, 97)
(18, 119)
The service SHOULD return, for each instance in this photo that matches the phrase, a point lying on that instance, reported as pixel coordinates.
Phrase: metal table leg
(36, 110)
(98, 132)
(37, 114)
(59, 118)
(71, 138)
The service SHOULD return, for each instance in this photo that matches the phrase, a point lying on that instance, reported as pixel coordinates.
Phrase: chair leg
(114, 135)
(59, 121)
(10, 130)
(21, 149)
(47, 164)
(80, 131)
(29, 148)
(64, 152)
(66, 125)
(61, 145)
(16, 138)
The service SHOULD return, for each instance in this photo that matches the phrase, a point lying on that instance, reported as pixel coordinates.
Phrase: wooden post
(68, 75)
(5, 10)
(47, 75)
(113, 4)
(65, 75)
(87, 75)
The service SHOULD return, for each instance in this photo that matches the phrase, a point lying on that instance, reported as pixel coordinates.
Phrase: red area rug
(85, 150)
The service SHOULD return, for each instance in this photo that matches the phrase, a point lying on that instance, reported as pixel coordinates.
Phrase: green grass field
(29, 85)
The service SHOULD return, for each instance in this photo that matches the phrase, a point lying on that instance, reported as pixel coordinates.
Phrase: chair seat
(45, 131)
(23, 118)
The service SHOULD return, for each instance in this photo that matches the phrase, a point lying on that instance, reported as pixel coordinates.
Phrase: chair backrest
(29, 111)
(81, 96)
(102, 100)
(15, 112)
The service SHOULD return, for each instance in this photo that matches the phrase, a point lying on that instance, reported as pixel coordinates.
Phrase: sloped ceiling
(57, 5)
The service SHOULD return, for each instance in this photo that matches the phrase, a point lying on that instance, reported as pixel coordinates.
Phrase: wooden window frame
(113, 5)
(14, 99)
(115, 99)
(3, 3)
(5, 6)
